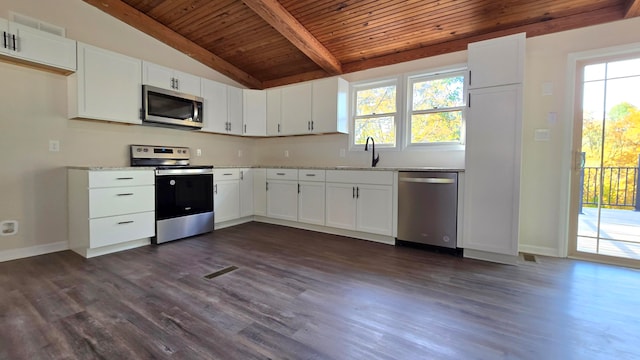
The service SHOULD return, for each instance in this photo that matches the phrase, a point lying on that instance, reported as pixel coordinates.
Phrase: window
(375, 113)
(436, 109)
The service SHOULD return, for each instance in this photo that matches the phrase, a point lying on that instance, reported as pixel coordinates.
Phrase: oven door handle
(183, 172)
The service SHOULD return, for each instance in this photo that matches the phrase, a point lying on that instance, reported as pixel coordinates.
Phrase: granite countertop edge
(396, 168)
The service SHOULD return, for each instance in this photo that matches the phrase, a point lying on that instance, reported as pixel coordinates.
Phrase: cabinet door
(274, 111)
(234, 108)
(107, 86)
(43, 48)
(254, 112)
(215, 106)
(159, 76)
(226, 200)
(187, 83)
(330, 105)
(311, 202)
(375, 209)
(259, 192)
(497, 61)
(282, 199)
(341, 205)
(492, 170)
(246, 192)
(4, 28)
(296, 109)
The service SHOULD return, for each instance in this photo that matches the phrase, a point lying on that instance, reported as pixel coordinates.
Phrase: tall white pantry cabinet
(493, 149)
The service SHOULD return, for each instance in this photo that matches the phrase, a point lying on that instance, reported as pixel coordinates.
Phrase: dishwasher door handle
(429, 180)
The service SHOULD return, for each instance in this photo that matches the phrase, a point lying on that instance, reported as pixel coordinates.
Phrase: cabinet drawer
(112, 178)
(226, 174)
(282, 174)
(374, 177)
(311, 175)
(117, 229)
(122, 200)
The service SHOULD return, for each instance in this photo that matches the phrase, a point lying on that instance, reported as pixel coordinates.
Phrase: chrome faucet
(374, 158)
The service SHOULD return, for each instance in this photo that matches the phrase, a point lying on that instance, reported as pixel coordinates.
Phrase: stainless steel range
(184, 193)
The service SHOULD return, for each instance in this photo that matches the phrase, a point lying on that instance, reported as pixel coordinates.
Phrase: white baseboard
(539, 250)
(20, 253)
(225, 224)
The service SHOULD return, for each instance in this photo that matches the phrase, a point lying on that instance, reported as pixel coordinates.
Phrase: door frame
(568, 221)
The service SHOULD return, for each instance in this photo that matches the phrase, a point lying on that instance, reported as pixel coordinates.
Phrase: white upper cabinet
(330, 106)
(296, 109)
(37, 47)
(235, 109)
(254, 113)
(106, 86)
(274, 111)
(166, 78)
(215, 107)
(497, 61)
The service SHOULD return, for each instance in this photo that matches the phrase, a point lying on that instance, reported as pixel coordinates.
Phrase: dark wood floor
(304, 295)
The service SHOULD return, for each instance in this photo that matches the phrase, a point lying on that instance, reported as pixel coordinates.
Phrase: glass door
(605, 203)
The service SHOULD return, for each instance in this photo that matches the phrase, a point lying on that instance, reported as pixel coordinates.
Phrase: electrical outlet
(8, 227)
(198, 152)
(54, 145)
(239, 153)
(286, 153)
(343, 153)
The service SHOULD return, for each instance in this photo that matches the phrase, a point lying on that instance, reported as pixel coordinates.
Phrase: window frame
(435, 75)
(370, 84)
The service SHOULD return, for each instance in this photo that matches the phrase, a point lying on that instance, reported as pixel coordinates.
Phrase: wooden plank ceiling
(266, 43)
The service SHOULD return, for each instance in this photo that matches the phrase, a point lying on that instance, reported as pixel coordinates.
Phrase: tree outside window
(437, 109)
(375, 114)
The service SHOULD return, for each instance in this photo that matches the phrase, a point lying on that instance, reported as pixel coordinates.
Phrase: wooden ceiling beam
(571, 22)
(633, 9)
(281, 20)
(148, 25)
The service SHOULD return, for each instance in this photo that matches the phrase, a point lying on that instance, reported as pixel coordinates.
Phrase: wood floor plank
(303, 295)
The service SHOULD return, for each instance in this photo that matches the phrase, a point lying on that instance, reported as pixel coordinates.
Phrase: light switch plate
(54, 145)
(542, 135)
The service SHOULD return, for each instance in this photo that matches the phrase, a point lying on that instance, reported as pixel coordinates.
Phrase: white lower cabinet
(360, 201)
(282, 194)
(226, 194)
(110, 210)
(246, 192)
(311, 196)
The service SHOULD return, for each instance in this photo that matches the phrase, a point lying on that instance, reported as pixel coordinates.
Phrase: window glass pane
(438, 93)
(382, 129)
(380, 100)
(594, 72)
(623, 68)
(436, 127)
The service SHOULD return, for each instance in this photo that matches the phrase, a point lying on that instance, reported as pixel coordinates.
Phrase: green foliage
(438, 93)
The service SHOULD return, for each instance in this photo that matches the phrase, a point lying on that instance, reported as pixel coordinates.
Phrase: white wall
(33, 110)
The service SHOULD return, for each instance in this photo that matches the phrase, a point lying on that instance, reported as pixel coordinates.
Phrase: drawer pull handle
(227, 174)
(125, 194)
(124, 178)
(125, 222)
(281, 174)
(311, 174)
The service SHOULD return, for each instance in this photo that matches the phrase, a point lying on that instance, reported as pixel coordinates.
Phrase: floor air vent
(529, 257)
(221, 272)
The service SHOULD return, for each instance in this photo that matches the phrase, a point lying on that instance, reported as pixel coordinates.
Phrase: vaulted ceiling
(266, 43)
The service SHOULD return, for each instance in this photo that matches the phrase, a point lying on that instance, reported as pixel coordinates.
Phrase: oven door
(183, 192)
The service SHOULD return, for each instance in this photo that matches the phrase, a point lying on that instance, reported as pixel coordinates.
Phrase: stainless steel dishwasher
(428, 207)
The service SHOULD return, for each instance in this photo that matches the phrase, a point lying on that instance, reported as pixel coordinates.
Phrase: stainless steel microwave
(171, 108)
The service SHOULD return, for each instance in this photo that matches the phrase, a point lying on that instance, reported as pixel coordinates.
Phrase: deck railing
(619, 187)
